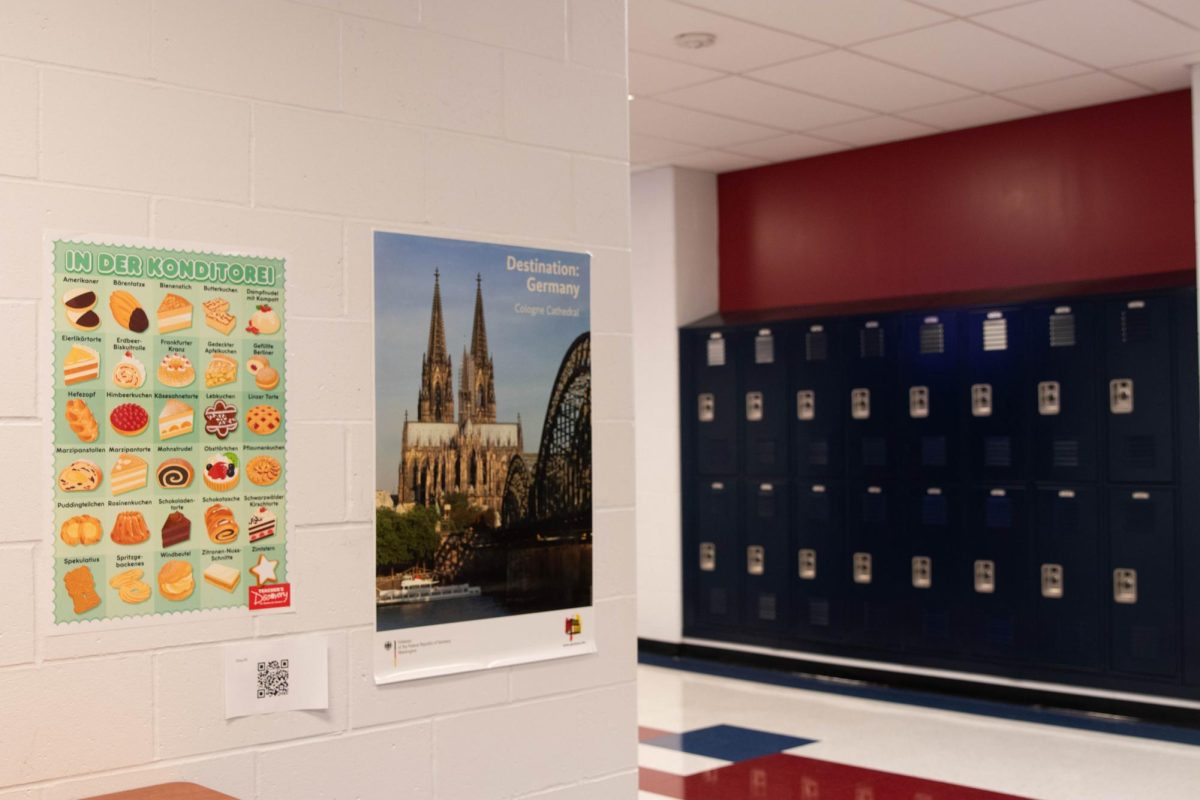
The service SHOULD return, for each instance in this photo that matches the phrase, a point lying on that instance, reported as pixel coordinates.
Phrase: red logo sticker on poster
(276, 596)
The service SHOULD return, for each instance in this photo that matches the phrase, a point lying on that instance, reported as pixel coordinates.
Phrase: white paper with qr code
(272, 675)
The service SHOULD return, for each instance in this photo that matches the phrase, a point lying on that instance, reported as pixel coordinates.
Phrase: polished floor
(704, 737)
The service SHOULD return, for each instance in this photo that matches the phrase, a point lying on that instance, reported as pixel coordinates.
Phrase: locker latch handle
(981, 400)
(808, 565)
(1052, 581)
(985, 577)
(922, 572)
(862, 568)
(918, 402)
(1120, 395)
(806, 405)
(860, 403)
(706, 407)
(1049, 398)
(756, 559)
(1125, 586)
(754, 406)
(708, 557)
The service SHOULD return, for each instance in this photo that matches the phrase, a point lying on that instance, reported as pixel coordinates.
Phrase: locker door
(1142, 588)
(992, 395)
(1069, 585)
(928, 550)
(762, 355)
(819, 558)
(873, 572)
(819, 416)
(765, 562)
(930, 410)
(1063, 348)
(1137, 389)
(995, 545)
(713, 558)
(714, 408)
(871, 401)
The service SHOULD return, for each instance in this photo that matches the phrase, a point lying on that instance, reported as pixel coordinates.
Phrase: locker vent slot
(870, 343)
(816, 346)
(766, 607)
(1062, 330)
(1066, 452)
(718, 602)
(764, 348)
(874, 509)
(933, 509)
(997, 513)
(1135, 325)
(997, 451)
(818, 613)
(933, 451)
(818, 453)
(716, 350)
(1140, 452)
(932, 338)
(995, 334)
(874, 451)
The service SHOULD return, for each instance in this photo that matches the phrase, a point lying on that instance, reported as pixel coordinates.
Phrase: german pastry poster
(169, 436)
(483, 456)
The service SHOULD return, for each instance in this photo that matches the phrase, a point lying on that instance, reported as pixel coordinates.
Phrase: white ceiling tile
(840, 23)
(649, 150)
(1183, 10)
(788, 148)
(1164, 75)
(965, 8)
(1105, 33)
(967, 54)
(851, 78)
(1082, 90)
(654, 24)
(650, 74)
(718, 161)
(875, 130)
(689, 126)
(983, 109)
(766, 105)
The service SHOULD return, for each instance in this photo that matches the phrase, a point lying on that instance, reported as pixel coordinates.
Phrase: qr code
(273, 678)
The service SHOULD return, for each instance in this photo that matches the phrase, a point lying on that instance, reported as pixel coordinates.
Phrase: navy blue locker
(819, 559)
(765, 533)
(928, 549)
(1063, 348)
(1187, 417)
(714, 559)
(762, 355)
(873, 572)
(992, 573)
(713, 409)
(872, 406)
(1137, 389)
(1068, 597)
(929, 358)
(820, 401)
(991, 394)
(1144, 592)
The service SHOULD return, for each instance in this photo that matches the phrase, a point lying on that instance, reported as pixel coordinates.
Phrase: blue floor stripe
(987, 708)
(727, 742)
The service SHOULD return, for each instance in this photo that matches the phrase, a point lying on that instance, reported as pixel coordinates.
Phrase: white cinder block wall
(675, 260)
(300, 127)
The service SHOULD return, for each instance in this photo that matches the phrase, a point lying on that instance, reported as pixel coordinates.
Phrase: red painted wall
(1090, 194)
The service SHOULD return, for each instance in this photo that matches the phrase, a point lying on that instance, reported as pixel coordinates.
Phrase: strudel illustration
(169, 382)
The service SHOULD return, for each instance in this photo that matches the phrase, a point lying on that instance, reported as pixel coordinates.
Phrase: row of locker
(1067, 391)
(995, 573)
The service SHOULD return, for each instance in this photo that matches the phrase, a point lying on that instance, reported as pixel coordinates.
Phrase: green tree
(402, 540)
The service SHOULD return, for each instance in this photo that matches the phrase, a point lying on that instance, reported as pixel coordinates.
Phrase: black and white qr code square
(273, 678)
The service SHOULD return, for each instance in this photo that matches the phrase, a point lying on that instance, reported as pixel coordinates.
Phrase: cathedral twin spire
(477, 389)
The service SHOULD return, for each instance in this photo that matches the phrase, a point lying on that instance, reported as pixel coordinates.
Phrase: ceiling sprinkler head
(696, 41)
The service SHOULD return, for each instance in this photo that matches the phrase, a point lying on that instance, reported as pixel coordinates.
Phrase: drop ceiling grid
(809, 77)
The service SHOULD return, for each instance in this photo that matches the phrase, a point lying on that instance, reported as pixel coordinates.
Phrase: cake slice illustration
(81, 364)
(174, 314)
(175, 419)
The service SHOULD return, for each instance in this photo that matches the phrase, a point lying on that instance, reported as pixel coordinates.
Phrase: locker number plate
(860, 403)
(918, 402)
(1052, 581)
(1120, 396)
(708, 557)
(1049, 398)
(981, 400)
(808, 565)
(756, 559)
(862, 567)
(754, 406)
(985, 577)
(1125, 586)
(706, 407)
(806, 405)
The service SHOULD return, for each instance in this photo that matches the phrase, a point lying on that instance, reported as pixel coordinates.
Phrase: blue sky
(526, 350)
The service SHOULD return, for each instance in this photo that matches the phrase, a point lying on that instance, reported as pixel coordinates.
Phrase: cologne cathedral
(443, 455)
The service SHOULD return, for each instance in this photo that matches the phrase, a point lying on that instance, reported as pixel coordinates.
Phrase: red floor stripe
(651, 780)
(645, 733)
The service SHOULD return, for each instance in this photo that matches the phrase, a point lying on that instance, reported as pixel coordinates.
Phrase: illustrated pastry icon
(80, 476)
(221, 419)
(129, 528)
(263, 470)
(81, 420)
(265, 376)
(175, 419)
(264, 570)
(222, 527)
(175, 581)
(130, 586)
(174, 473)
(79, 305)
(222, 369)
(222, 472)
(217, 316)
(128, 312)
(264, 320)
(128, 474)
(262, 524)
(176, 370)
(129, 419)
(263, 420)
(174, 314)
(81, 364)
(177, 529)
(129, 373)
(82, 529)
(81, 588)
(222, 576)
